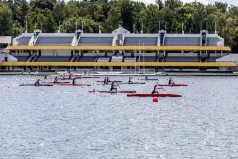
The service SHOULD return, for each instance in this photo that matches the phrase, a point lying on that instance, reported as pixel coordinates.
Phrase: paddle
(164, 90)
(118, 86)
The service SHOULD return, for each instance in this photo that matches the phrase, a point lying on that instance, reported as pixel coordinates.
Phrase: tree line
(107, 15)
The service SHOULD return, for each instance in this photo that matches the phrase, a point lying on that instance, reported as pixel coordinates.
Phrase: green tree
(127, 14)
(5, 20)
(160, 4)
(114, 19)
(89, 26)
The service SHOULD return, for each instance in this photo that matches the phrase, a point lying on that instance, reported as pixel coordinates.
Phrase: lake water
(68, 122)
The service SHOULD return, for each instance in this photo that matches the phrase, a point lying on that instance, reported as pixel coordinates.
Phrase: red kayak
(153, 95)
(87, 77)
(112, 91)
(172, 85)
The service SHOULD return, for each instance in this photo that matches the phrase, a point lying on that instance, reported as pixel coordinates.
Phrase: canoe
(36, 85)
(153, 95)
(172, 85)
(66, 84)
(112, 91)
(150, 79)
(134, 83)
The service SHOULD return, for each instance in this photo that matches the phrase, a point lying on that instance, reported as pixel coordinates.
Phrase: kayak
(134, 83)
(56, 82)
(112, 91)
(172, 85)
(70, 78)
(67, 78)
(153, 95)
(66, 84)
(105, 84)
(109, 81)
(42, 79)
(35, 85)
(87, 77)
(150, 79)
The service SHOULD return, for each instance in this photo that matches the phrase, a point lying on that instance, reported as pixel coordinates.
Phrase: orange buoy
(155, 99)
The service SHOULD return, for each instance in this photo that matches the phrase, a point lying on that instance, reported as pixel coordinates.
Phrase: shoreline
(124, 74)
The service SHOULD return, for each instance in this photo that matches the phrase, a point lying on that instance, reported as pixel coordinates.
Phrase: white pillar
(182, 51)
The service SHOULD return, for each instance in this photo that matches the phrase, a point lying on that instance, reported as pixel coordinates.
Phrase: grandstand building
(118, 50)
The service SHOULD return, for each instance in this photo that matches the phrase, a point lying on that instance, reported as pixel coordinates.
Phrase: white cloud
(185, 1)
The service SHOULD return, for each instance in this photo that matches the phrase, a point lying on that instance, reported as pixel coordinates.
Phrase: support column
(111, 68)
(221, 53)
(215, 53)
(182, 51)
(157, 53)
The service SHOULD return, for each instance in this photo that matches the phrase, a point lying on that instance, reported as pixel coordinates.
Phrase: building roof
(5, 39)
(148, 48)
(121, 30)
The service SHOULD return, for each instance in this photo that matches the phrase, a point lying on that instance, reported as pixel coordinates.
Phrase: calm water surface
(68, 122)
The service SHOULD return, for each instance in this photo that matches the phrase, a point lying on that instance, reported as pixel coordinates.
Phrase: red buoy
(155, 99)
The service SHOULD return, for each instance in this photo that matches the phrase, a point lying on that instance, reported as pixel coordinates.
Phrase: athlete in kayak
(45, 77)
(155, 90)
(37, 83)
(56, 80)
(171, 81)
(146, 77)
(113, 86)
(73, 82)
(130, 80)
(70, 75)
(105, 80)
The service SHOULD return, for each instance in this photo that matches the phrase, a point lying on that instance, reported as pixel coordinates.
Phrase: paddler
(70, 75)
(45, 77)
(130, 80)
(56, 80)
(171, 81)
(37, 83)
(105, 80)
(73, 83)
(146, 77)
(155, 90)
(113, 86)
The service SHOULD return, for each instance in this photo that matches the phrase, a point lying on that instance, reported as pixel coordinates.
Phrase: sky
(233, 2)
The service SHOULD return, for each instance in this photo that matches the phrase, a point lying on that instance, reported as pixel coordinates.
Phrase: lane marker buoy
(155, 99)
